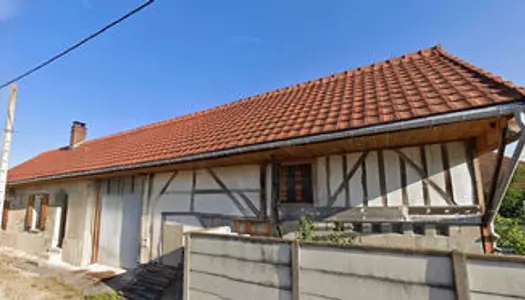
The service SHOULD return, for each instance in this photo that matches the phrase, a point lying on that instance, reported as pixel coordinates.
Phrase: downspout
(504, 182)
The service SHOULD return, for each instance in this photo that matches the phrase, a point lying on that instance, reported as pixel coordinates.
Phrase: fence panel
(337, 273)
(498, 279)
(219, 267)
(229, 267)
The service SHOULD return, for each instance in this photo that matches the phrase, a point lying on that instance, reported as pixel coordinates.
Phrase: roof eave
(441, 119)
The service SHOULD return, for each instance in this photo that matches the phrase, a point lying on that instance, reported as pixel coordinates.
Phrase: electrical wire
(75, 46)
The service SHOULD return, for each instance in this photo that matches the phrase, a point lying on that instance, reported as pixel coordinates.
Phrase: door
(119, 229)
(130, 231)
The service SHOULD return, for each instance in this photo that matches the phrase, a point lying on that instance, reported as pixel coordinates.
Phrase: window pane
(306, 178)
(296, 183)
(290, 184)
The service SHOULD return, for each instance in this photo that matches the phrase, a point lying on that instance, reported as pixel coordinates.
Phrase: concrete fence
(219, 267)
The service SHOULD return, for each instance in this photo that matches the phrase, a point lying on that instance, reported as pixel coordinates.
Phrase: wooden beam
(249, 203)
(192, 193)
(145, 219)
(448, 178)
(497, 171)
(475, 173)
(403, 171)
(347, 188)
(96, 224)
(382, 179)
(327, 171)
(276, 186)
(424, 177)
(445, 210)
(346, 178)
(227, 192)
(262, 194)
(423, 155)
(363, 182)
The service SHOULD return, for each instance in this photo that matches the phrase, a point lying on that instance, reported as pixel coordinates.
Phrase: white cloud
(7, 9)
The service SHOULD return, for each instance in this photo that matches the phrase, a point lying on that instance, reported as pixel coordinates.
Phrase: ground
(24, 277)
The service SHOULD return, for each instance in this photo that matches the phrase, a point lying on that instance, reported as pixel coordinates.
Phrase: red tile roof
(415, 85)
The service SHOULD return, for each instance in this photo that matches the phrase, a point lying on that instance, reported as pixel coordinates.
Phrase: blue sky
(179, 56)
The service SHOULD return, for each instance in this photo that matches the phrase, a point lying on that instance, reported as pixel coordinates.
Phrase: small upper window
(296, 183)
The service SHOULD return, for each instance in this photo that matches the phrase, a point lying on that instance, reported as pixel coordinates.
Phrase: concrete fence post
(461, 281)
(187, 267)
(296, 251)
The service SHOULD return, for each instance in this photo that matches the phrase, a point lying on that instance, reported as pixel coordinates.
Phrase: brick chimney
(78, 134)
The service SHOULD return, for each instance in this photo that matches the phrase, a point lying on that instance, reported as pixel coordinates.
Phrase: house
(392, 148)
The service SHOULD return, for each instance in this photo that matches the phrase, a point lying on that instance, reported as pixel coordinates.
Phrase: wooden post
(6, 144)
(145, 220)
(461, 281)
(295, 269)
(96, 222)
(187, 267)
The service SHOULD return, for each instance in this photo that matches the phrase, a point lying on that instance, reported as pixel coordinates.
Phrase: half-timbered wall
(195, 196)
(430, 175)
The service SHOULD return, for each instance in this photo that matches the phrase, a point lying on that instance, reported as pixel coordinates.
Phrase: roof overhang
(430, 121)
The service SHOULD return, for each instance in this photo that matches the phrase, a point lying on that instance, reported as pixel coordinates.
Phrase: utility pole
(6, 145)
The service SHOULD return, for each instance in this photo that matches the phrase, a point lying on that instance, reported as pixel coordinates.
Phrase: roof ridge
(486, 74)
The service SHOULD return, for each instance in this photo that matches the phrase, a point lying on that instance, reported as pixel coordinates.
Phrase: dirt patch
(24, 278)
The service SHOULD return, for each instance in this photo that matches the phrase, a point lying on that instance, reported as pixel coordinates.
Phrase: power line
(75, 46)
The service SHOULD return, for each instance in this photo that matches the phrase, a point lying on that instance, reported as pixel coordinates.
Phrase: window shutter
(29, 211)
(43, 212)
(5, 214)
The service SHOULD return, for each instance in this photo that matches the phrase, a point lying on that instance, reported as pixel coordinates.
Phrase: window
(296, 183)
(36, 212)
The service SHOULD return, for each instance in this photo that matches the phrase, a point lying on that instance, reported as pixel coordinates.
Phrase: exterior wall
(235, 267)
(431, 176)
(398, 169)
(76, 248)
(202, 198)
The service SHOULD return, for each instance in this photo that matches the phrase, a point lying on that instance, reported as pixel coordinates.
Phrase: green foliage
(511, 234)
(337, 235)
(306, 229)
(512, 206)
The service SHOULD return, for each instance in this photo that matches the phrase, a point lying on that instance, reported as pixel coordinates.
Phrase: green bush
(511, 234)
(306, 229)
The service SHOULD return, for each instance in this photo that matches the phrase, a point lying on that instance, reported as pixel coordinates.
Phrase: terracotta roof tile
(420, 84)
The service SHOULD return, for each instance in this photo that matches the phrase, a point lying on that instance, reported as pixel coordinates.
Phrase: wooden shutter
(5, 214)
(29, 211)
(43, 212)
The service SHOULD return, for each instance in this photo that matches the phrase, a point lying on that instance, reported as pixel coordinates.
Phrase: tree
(511, 234)
(512, 206)
(511, 214)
